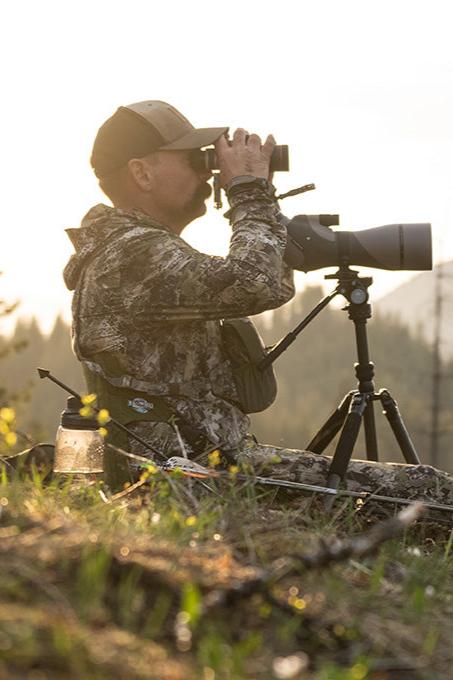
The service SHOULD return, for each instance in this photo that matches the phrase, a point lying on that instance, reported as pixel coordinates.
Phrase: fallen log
(413, 482)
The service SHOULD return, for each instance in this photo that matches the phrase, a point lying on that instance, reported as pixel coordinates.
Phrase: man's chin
(199, 207)
(194, 212)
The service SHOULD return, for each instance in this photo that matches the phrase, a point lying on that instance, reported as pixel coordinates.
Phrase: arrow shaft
(343, 492)
(198, 471)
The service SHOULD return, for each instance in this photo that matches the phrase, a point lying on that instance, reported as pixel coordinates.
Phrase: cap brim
(195, 139)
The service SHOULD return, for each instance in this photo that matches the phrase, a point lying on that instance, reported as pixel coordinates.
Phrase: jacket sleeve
(170, 281)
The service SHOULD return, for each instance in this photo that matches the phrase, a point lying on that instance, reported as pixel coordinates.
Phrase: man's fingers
(254, 141)
(240, 136)
(269, 145)
(244, 155)
(222, 143)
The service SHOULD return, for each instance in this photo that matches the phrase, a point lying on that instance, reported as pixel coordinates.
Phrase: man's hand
(244, 155)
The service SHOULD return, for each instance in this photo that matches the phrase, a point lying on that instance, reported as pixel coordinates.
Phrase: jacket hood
(98, 227)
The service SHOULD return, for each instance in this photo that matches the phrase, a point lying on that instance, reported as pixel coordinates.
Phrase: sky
(362, 92)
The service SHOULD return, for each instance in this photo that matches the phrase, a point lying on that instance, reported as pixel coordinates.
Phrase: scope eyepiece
(207, 159)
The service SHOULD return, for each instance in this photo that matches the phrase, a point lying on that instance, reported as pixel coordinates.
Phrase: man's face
(178, 189)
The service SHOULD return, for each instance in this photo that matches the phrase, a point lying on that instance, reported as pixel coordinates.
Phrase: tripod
(358, 404)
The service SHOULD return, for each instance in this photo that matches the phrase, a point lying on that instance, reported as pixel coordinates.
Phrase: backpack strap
(128, 405)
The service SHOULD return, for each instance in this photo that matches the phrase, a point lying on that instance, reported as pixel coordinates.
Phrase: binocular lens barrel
(207, 159)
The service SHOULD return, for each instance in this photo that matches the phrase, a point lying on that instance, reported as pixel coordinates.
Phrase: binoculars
(207, 159)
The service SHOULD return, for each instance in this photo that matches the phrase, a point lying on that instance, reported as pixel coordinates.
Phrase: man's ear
(142, 173)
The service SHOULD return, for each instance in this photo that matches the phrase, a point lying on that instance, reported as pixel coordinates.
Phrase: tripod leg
(347, 440)
(370, 432)
(391, 412)
(330, 428)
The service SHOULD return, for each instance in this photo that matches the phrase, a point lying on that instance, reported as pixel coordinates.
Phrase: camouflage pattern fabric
(148, 304)
(417, 482)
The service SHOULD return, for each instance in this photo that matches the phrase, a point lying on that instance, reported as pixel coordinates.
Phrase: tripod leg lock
(365, 375)
(348, 436)
(389, 405)
(391, 412)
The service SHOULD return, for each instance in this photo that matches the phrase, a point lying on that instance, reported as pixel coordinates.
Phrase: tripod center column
(364, 368)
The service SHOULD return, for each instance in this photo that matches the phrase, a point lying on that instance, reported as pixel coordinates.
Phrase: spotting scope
(313, 244)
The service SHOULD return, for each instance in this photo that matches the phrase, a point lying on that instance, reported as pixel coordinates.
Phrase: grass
(172, 581)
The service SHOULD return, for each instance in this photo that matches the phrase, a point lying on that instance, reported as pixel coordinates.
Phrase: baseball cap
(138, 129)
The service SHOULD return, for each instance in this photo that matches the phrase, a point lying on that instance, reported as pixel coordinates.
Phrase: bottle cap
(72, 420)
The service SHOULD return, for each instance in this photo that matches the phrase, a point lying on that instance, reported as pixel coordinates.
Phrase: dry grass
(171, 582)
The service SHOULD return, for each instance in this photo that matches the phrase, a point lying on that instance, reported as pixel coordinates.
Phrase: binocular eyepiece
(207, 159)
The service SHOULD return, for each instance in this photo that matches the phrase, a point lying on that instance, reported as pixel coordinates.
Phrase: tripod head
(351, 285)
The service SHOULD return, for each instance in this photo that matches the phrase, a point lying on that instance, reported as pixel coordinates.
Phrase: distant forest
(313, 375)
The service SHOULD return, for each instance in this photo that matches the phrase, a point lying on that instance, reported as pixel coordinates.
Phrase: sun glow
(366, 113)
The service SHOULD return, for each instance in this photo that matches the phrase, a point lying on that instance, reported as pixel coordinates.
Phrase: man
(147, 307)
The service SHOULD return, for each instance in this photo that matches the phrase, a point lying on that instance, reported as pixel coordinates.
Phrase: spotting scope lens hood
(312, 244)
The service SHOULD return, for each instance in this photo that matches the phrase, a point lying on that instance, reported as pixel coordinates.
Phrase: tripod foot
(333, 482)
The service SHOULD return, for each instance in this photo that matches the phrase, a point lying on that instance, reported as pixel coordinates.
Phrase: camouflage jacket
(149, 302)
